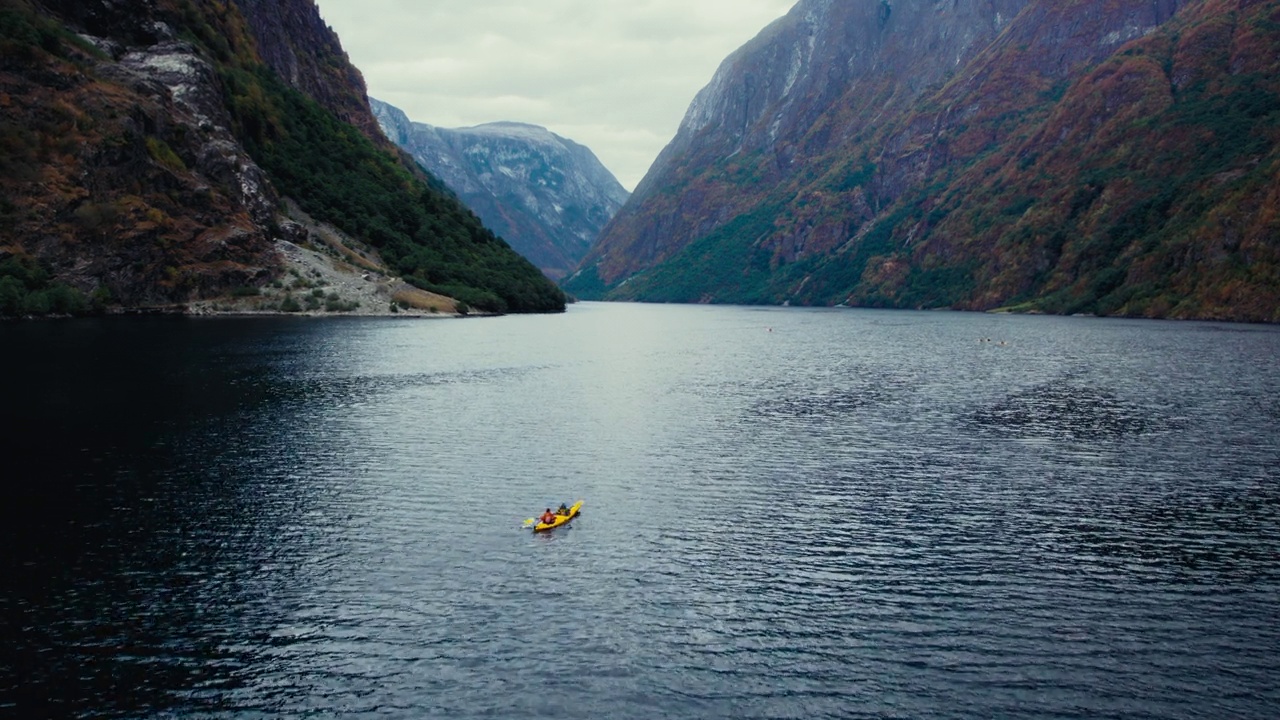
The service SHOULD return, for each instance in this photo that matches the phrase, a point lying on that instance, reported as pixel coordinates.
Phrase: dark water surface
(789, 514)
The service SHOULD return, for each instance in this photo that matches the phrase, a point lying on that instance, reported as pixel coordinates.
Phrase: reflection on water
(789, 513)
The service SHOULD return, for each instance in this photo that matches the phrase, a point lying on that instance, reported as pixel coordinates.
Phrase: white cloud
(614, 75)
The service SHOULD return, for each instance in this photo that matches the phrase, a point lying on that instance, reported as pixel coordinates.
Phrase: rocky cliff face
(121, 171)
(1079, 156)
(546, 195)
(146, 147)
(294, 40)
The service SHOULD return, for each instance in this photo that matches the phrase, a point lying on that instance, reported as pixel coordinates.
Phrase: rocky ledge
(328, 273)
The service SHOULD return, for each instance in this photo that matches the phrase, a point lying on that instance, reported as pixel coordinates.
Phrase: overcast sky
(614, 75)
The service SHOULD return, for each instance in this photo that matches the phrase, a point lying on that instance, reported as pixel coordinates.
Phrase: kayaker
(564, 509)
(548, 517)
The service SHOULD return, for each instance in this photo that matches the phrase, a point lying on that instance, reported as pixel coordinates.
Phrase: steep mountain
(149, 151)
(294, 41)
(546, 195)
(1106, 156)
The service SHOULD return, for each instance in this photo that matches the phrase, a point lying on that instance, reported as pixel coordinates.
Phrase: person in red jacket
(548, 517)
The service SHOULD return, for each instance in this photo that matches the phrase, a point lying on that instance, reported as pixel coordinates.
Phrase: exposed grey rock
(175, 70)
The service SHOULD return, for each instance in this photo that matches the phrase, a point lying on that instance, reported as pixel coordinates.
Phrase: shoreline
(175, 313)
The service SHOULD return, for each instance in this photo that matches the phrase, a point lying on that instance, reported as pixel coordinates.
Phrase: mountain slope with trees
(1116, 158)
(147, 148)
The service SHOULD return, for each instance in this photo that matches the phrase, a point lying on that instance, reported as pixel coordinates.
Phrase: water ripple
(790, 514)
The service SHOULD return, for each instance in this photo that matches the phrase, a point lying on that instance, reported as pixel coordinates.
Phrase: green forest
(339, 176)
(26, 289)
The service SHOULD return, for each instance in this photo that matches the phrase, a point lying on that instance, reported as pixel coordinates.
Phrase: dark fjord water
(789, 514)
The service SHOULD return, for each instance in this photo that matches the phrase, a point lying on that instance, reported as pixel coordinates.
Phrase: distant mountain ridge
(547, 196)
(1097, 156)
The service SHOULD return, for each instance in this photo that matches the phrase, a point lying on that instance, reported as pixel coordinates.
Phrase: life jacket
(548, 518)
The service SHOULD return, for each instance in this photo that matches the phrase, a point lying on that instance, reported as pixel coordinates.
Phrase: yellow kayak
(560, 519)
